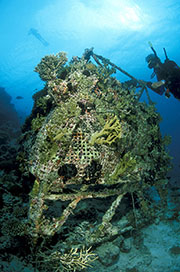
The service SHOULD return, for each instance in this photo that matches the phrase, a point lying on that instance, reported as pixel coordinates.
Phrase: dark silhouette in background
(9, 131)
(167, 73)
(8, 113)
(36, 34)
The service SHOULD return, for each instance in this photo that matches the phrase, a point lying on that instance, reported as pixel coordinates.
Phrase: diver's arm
(157, 89)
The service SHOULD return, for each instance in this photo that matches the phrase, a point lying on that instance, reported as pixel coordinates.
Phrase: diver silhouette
(167, 73)
(36, 34)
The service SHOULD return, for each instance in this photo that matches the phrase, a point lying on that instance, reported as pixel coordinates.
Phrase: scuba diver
(167, 73)
(38, 36)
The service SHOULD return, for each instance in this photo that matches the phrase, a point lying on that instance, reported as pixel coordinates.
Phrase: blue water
(117, 29)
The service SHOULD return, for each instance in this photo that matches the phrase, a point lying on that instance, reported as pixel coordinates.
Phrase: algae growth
(90, 145)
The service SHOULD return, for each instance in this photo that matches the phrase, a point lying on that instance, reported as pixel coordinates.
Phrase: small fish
(19, 97)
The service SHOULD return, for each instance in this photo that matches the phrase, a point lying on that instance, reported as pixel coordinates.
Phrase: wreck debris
(94, 143)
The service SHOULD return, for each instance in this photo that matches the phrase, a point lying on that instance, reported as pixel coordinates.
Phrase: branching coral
(75, 260)
(110, 132)
(126, 166)
(51, 66)
(96, 144)
(78, 152)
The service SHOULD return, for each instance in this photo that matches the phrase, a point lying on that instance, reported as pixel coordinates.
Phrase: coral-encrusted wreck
(92, 147)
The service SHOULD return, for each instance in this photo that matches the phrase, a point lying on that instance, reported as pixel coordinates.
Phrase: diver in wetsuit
(36, 34)
(167, 73)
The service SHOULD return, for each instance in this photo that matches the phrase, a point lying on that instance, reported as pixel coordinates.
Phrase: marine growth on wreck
(96, 155)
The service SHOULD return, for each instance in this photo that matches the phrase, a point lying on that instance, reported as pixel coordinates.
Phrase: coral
(75, 260)
(125, 166)
(37, 123)
(14, 227)
(51, 66)
(110, 132)
(92, 139)
(88, 146)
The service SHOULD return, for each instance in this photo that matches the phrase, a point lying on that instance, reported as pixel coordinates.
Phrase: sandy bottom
(156, 252)
(160, 247)
(156, 248)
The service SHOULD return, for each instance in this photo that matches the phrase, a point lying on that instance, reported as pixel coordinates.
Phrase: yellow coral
(78, 260)
(75, 260)
(111, 131)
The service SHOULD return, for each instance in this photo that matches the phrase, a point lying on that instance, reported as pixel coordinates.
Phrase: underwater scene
(89, 136)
